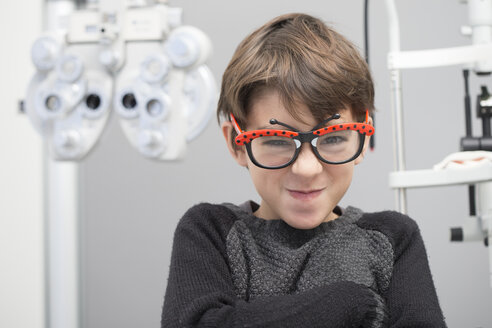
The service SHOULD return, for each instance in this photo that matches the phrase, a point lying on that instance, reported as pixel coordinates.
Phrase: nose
(307, 164)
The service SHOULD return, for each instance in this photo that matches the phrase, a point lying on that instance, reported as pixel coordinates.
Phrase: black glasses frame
(245, 138)
(305, 137)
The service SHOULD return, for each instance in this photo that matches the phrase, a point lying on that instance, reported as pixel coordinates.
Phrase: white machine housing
(69, 98)
(136, 58)
(477, 56)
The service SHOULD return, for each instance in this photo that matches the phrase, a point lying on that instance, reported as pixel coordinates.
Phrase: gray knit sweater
(232, 269)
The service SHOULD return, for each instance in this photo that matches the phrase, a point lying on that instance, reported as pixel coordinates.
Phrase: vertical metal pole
(484, 213)
(489, 231)
(397, 104)
(62, 240)
(62, 233)
(490, 248)
(398, 143)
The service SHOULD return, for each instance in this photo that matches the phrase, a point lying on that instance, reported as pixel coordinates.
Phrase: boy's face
(305, 193)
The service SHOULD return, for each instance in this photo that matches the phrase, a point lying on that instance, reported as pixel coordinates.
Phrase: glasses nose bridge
(305, 137)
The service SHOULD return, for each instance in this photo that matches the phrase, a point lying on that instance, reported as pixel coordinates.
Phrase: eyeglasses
(276, 149)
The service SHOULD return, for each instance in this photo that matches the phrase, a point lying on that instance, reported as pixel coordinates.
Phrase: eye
(275, 142)
(332, 139)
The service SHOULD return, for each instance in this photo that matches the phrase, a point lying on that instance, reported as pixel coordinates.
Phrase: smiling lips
(304, 195)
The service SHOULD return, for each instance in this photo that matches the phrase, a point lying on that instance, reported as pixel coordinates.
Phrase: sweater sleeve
(411, 297)
(200, 292)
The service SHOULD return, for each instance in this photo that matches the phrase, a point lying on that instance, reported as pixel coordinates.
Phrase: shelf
(435, 178)
(439, 57)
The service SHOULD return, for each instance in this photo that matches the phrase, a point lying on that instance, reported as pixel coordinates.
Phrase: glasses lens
(338, 146)
(273, 151)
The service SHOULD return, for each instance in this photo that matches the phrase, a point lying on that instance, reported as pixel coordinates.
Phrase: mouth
(304, 195)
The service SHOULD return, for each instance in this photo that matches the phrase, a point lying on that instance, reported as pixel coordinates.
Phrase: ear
(239, 153)
(364, 149)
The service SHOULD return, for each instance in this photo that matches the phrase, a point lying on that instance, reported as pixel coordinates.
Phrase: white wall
(21, 229)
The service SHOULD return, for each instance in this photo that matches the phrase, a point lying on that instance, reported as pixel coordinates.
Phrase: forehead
(267, 105)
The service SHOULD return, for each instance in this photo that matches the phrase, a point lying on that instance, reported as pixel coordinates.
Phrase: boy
(296, 97)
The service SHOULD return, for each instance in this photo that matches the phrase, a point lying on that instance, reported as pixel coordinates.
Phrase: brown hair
(305, 61)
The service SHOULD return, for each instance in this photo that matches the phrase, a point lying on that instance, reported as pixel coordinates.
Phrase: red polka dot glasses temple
(278, 148)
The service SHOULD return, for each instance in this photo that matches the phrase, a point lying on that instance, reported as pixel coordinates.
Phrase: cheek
(263, 179)
(341, 175)
(258, 175)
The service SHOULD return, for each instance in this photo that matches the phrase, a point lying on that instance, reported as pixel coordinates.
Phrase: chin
(304, 223)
